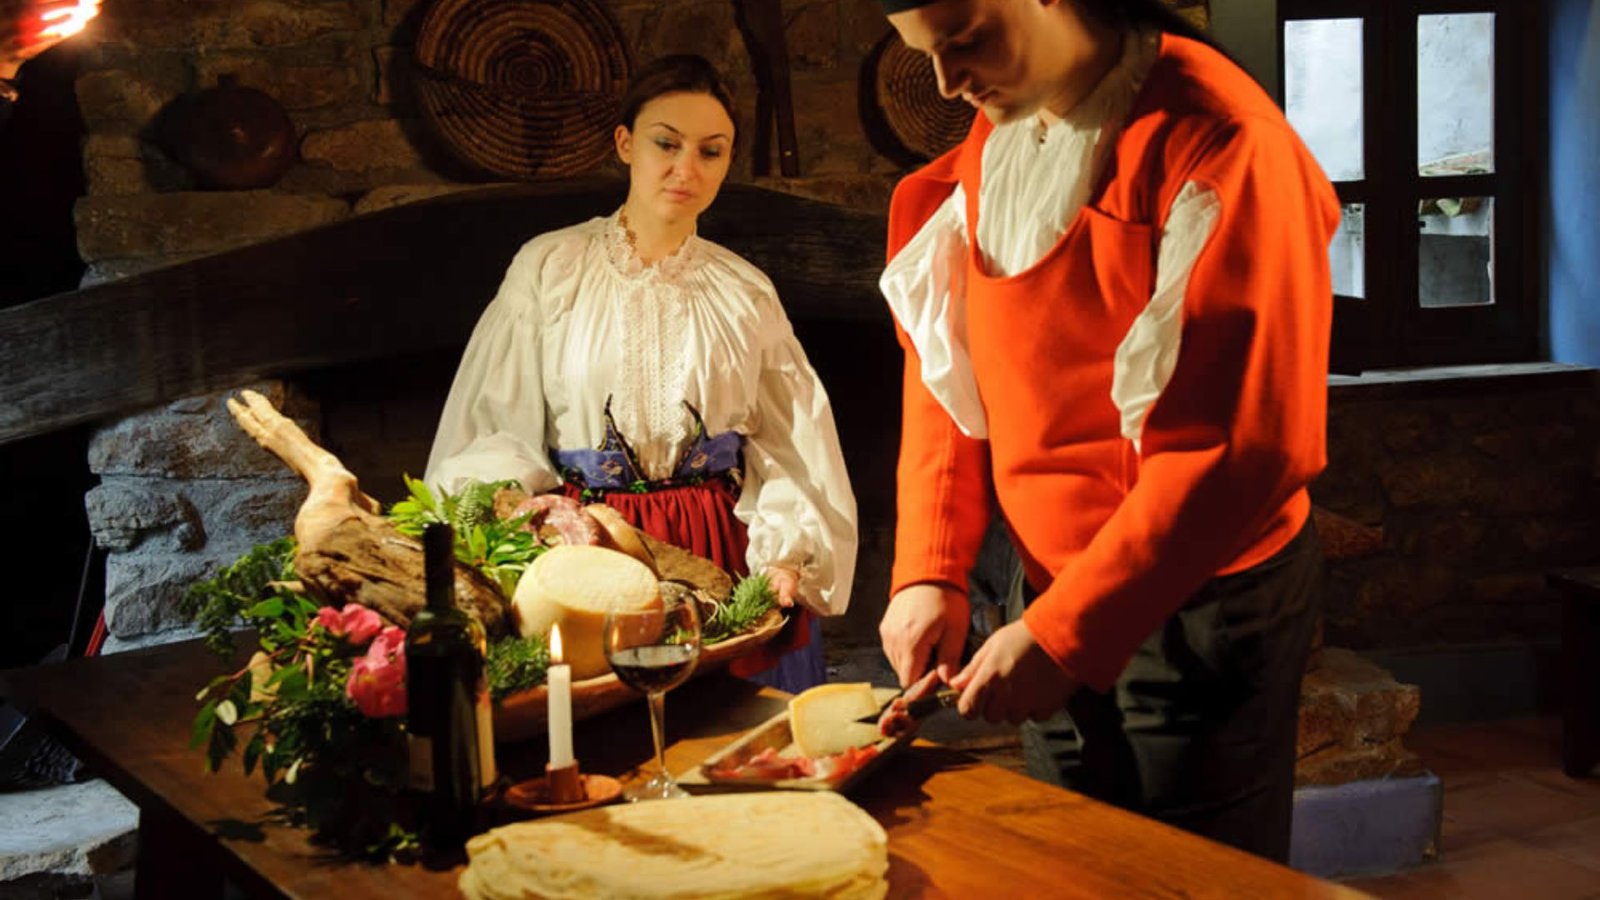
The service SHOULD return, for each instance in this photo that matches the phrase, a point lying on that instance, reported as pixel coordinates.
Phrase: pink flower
(355, 623)
(390, 643)
(378, 680)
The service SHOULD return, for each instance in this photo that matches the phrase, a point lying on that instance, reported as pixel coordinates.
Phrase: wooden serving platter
(521, 716)
(775, 734)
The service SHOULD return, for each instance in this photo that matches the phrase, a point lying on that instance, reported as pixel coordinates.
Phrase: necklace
(627, 232)
(1041, 130)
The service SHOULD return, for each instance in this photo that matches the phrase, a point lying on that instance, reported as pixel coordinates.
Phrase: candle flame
(64, 23)
(555, 645)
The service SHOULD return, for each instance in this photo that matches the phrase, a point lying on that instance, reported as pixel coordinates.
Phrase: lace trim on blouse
(624, 256)
(655, 379)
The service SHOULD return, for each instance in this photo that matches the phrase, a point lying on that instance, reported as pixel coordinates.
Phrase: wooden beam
(404, 280)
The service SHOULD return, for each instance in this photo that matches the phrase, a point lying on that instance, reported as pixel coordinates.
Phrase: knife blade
(917, 709)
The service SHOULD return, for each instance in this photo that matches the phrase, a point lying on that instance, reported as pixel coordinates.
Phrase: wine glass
(653, 650)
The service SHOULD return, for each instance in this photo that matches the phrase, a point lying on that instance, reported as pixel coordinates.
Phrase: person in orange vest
(1114, 300)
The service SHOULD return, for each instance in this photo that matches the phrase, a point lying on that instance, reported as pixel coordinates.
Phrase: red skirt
(700, 519)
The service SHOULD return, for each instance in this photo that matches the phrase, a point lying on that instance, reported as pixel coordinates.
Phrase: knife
(917, 709)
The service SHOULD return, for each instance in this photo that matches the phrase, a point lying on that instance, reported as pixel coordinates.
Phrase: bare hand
(896, 719)
(925, 620)
(785, 583)
(1011, 679)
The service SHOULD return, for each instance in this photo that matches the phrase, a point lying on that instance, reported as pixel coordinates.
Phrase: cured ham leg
(348, 552)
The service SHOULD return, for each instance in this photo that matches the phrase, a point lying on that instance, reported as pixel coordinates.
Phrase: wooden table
(957, 827)
(1580, 670)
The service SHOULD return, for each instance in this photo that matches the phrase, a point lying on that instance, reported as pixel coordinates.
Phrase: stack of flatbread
(775, 844)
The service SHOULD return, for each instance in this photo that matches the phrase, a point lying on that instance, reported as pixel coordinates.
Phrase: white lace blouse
(580, 318)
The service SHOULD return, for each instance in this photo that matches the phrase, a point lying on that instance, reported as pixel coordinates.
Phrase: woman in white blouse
(628, 360)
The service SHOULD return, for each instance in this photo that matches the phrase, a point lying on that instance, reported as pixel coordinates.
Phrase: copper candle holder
(564, 785)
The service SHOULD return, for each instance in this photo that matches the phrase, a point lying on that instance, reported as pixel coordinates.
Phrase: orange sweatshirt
(1116, 538)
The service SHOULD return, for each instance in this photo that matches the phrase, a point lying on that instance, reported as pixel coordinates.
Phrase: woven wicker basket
(523, 89)
(907, 95)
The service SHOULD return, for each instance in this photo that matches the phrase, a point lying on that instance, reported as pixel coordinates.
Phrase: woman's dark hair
(683, 73)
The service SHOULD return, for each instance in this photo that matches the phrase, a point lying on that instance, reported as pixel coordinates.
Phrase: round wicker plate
(523, 89)
(907, 94)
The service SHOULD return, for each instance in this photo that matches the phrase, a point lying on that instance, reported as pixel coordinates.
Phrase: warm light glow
(64, 23)
(555, 645)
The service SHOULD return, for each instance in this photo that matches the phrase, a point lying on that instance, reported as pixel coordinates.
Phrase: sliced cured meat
(559, 517)
(897, 719)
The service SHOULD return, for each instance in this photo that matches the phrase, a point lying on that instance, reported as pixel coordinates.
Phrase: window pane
(1348, 252)
(1455, 94)
(1322, 91)
(1456, 251)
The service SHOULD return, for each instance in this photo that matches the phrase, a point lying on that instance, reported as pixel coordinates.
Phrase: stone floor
(1514, 825)
(65, 841)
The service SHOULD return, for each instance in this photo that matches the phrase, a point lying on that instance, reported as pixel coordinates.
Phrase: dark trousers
(1199, 731)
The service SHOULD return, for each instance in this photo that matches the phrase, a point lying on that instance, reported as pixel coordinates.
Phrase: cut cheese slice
(770, 844)
(573, 586)
(823, 719)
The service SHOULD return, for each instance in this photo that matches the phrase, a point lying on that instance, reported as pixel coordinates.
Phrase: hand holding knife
(903, 711)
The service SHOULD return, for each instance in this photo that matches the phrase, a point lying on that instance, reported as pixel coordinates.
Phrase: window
(1427, 115)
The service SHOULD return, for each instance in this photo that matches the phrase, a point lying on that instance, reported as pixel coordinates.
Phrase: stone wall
(182, 492)
(343, 70)
(169, 511)
(1469, 486)
(1462, 491)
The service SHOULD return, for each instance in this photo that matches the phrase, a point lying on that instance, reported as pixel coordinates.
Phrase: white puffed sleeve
(796, 500)
(1148, 354)
(925, 285)
(493, 425)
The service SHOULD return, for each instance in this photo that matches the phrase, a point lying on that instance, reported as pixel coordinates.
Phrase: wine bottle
(447, 720)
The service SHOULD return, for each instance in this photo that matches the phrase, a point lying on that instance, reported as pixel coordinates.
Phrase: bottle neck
(438, 565)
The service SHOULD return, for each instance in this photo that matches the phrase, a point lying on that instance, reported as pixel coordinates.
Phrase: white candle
(558, 681)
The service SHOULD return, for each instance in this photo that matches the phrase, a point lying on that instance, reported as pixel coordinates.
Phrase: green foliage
(418, 509)
(500, 549)
(751, 599)
(287, 714)
(474, 506)
(256, 591)
(308, 739)
(516, 664)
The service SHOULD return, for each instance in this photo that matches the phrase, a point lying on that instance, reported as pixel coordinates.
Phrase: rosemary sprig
(516, 664)
(751, 599)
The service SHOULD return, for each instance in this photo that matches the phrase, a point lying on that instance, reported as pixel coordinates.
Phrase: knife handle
(923, 707)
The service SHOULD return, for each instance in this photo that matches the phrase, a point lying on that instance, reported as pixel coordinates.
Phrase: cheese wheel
(573, 586)
(769, 844)
(823, 719)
